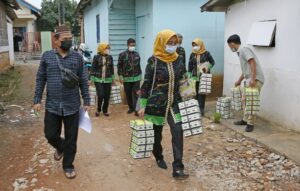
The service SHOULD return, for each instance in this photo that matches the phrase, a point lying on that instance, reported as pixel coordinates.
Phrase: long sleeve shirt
(129, 66)
(102, 69)
(61, 100)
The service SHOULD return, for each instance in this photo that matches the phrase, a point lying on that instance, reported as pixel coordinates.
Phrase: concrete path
(276, 138)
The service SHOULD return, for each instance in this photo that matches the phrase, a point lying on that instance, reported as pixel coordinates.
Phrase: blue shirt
(61, 100)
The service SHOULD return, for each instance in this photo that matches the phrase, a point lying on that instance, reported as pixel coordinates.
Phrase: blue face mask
(171, 48)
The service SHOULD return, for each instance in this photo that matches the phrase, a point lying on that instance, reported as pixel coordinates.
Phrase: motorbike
(87, 56)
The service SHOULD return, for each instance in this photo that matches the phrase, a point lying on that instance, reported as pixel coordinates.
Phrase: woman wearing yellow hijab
(160, 97)
(102, 74)
(200, 62)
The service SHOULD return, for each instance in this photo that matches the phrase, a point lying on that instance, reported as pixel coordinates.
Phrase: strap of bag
(59, 64)
(154, 76)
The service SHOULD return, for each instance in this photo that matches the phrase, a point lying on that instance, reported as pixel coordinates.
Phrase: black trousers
(68, 145)
(103, 93)
(131, 89)
(177, 143)
(201, 98)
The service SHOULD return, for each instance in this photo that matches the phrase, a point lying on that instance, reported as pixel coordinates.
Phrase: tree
(50, 15)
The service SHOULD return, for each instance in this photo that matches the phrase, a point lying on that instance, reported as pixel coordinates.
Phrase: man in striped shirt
(62, 103)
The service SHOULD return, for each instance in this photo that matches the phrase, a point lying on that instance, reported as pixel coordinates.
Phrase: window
(98, 28)
(263, 34)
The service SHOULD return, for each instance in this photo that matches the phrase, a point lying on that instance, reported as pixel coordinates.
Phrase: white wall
(10, 43)
(186, 18)
(97, 7)
(281, 91)
(144, 10)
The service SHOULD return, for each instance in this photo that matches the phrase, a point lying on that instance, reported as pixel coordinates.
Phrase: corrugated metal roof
(218, 5)
(81, 6)
(10, 6)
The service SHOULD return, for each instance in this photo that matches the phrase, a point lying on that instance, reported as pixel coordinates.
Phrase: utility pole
(63, 12)
(59, 12)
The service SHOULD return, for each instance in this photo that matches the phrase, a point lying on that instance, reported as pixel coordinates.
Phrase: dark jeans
(177, 143)
(103, 93)
(131, 89)
(68, 145)
(201, 98)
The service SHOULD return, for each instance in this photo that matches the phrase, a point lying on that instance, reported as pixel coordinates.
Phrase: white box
(194, 117)
(195, 124)
(139, 155)
(141, 148)
(194, 109)
(185, 126)
(139, 134)
(141, 125)
(184, 119)
(142, 141)
(183, 112)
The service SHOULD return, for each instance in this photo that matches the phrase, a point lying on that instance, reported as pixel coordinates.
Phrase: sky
(37, 3)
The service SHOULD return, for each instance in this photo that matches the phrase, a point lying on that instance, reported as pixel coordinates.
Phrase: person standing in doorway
(200, 62)
(129, 71)
(102, 74)
(252, 75)
(160, 97)
(62, 103)
(180, 50)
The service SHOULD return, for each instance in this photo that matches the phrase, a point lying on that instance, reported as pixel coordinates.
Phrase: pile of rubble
(41, 164)
(245, 165)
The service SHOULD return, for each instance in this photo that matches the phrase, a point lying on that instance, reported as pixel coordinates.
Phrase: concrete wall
(10, 43)
(97, 7)
(4, 44)
(144, 15)
(280, 94)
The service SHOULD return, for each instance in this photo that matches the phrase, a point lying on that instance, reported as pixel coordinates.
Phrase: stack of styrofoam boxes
(252, 101)
(236, 99)
(190, 117)
(115, 96)
(142, 139)
(223, 107)
(205, 84)
(93, 95)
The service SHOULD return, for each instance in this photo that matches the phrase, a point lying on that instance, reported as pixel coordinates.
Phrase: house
(271, 28)
(7, 15)
(25, 30)
(115, 21)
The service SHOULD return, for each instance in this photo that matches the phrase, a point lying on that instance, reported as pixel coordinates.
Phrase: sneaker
(180, 175)
(249, 128)
(106, 114)
(161, 164)
(242, 122)
(97, 114)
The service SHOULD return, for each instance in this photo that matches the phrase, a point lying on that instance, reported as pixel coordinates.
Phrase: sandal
(58, 155)
(70, 173)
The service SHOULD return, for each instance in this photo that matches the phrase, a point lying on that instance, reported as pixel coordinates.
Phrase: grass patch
(9, 82)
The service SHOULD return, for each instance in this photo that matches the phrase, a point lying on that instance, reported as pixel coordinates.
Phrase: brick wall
(3, 26)
(4, 61)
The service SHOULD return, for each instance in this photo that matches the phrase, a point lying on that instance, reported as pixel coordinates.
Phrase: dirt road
(219, 159)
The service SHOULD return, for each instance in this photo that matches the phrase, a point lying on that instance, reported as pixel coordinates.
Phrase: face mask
(107, 51)
(171, 49)
(234, 49)
(131, 48)
(196, 48)
(66, 45)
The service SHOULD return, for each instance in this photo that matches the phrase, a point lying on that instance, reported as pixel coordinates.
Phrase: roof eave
(218, 5)
(81, 6)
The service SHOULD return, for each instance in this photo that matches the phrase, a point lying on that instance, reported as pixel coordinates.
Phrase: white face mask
(196, 48)
(171, 48)
(131, 48)
(107, 51)
(234, 49)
